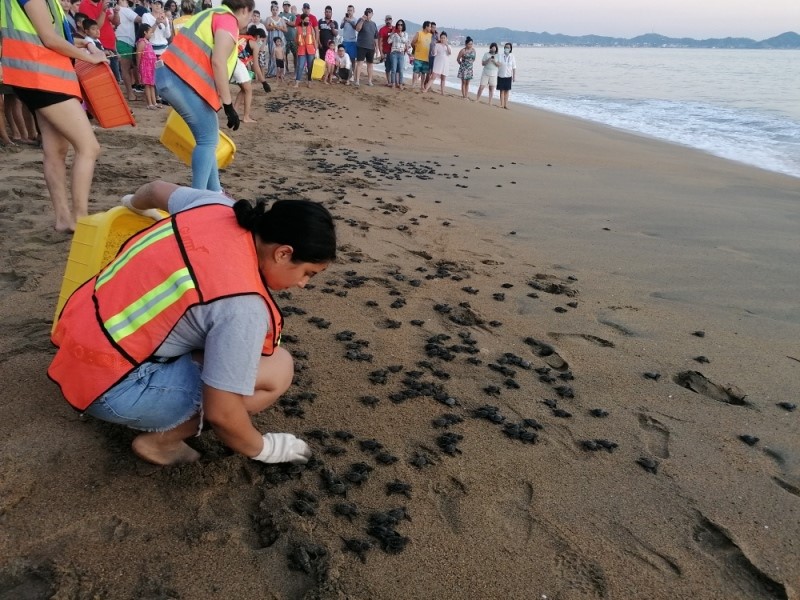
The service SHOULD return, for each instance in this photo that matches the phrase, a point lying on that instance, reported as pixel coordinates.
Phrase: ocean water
(743, 105)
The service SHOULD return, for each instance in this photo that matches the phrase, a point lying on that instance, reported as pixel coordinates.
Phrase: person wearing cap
(290, 35)
(367, 45)
(328, 30)
(385, 46)
(313, 22)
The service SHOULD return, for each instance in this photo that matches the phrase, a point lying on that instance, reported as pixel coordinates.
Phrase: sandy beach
(555, 332)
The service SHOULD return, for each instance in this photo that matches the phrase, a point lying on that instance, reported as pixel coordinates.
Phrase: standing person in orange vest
(181, 327)
(194, 76)
(37, 48)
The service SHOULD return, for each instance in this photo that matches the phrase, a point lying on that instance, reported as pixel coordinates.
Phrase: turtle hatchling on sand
(398, 487)
(357, 547)
(346, 509)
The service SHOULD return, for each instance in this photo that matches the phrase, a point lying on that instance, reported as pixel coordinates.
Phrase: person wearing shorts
(491, 66)
(367, 45)
(421, 46)
(212, 356)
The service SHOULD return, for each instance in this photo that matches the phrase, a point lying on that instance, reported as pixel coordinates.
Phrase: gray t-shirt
(230, 332)
(349, 33)
(367, 35)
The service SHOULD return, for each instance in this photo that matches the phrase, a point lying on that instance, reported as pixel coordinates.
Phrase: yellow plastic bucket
(178, 139)
(318, 69)
(96, 241)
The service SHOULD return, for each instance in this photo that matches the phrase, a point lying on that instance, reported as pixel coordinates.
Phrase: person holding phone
(491, 66)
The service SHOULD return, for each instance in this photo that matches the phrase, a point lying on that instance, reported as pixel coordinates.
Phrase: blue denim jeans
(304, 61)
(154, 397)
(396, 65)
(202, 122)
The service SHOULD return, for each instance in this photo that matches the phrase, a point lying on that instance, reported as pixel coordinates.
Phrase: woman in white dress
(441, 62)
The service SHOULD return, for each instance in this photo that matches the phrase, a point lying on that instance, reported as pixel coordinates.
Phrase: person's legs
(167, 447)
(127, 78)
(203, 123)
(65, 124)
(247, 90)
(113, 62)
(273, 379)
(491, 94)
(441, 86)
(4, 139)
(30, 124)
(479, 94)
(358, 71)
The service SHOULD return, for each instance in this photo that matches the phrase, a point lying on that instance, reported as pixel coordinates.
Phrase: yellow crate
(96, 241)
(318, 69)
(178, 139)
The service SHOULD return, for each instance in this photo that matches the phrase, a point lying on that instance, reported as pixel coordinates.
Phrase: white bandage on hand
(283, 447)
(153, 213)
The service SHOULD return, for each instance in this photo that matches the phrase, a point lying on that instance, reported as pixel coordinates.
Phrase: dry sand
(640, 244)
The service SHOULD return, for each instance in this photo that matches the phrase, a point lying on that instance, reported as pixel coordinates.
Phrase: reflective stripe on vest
(189, 55)
(308, 42)
(27, 63)
(117, 320)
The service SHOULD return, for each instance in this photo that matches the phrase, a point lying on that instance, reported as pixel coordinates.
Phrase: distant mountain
(785, 41)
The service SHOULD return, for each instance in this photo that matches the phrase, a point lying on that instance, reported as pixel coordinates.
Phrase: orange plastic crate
(102, 95)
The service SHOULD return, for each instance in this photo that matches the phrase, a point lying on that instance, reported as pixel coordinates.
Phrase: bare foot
(248, 120)
(150, 447)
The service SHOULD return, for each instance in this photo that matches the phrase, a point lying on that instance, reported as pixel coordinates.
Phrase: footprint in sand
(656, 435)
(449, 499)
(592, 339)
(718, 543)
(548, 353)
(700, 384)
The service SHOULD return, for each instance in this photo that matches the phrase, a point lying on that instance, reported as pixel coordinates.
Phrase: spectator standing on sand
(126, 39)
(432, 50)
(350, 35)
(466, 60)
(312, 21)
(367, 43)
(162, 31)
(506, 74)
(187, 10)
(276, 28)
(290, 35)
(385, 46)
(441, 62)
(421, 47)
(306, 49)
(328, 30)
(398, 49)
(491, 65)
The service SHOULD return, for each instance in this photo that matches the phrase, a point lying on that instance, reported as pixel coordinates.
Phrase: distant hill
(785, 41)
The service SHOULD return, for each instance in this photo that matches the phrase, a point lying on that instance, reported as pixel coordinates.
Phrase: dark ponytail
(304, 225)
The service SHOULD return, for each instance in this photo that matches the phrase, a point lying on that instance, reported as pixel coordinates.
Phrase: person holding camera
(491, 66)
(367, 43)
(106, 13)
(193, 76)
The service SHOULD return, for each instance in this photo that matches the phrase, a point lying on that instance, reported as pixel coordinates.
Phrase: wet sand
(515, 270)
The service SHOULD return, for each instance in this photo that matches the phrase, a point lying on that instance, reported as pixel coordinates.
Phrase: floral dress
(465, 68)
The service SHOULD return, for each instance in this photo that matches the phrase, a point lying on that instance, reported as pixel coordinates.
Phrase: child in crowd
(330, 62)
(343, 65)
(280, 57)
(147, 65)
(92, 36)
(80, 33)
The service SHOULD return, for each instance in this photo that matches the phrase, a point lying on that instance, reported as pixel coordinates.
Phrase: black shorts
(279, 63)
(36, 99)
(503, 84)
(344, 74)
(367, 54)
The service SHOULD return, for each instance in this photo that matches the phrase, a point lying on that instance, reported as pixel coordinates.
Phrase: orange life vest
(189, 55)
(307, 44)
(118, 319)
(26, 61)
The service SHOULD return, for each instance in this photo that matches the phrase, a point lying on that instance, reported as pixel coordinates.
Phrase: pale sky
(757, 19)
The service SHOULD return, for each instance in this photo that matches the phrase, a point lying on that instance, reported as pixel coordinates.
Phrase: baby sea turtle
(369, 400)
(648, 464)
(561, 413)
(318, 434)
(564, 391)
(787, 406)
(303, 508)
(448, 443)
(699, 333)
(532, 423)
(750, 440)
(492, 390)
(332, 483)
(654, 375)
(334, 450)
(702, 359)
(417, 322)
(343, 435)
(357, 547)
(370, 445)
(345, 509)
(398, 487)
(308, 558)
(385, 458)
(420, 460)
(550, 403)
(560, 309)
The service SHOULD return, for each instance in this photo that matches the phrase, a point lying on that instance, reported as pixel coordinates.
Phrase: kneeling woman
(180, 326)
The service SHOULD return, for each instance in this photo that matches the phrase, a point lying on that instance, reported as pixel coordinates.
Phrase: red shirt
(312, 21)
(383, 35)
(93, 10)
